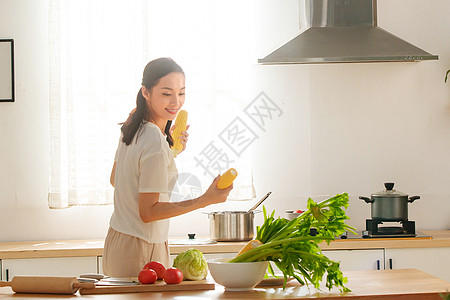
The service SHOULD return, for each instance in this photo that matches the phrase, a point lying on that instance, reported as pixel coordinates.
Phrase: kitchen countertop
(79, 248)
(405, 284)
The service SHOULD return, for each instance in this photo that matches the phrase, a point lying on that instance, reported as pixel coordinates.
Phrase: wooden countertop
(406, 284)
(77, 248)
(426, 239)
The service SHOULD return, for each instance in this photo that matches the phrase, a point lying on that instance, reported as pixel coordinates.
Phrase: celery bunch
(289, 245)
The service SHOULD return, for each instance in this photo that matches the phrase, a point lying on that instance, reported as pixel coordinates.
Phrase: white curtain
(98, 50)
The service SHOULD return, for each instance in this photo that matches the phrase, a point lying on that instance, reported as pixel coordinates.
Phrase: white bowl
(291, 215)
(237, 276)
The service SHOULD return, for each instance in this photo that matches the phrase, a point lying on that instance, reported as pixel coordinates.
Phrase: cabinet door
(99, 265)
(357, 260)
(61, 266)
(434, 261)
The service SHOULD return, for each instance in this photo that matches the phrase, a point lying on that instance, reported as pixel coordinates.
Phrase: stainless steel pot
(389, 205)
(231, 226)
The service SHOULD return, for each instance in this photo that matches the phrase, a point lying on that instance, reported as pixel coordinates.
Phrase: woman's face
(166, 98)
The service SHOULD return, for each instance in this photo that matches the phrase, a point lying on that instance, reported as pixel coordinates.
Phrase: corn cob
(180, 126)
(250, 245)
(227, 179)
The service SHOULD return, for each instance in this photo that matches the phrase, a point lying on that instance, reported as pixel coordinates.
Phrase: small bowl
(237, 276)
(290, 214)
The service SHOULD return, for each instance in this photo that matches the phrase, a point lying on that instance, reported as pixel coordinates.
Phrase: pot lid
(226, 212)
(389, 191)
(191, 240)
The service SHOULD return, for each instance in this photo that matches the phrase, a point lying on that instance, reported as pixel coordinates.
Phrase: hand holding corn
(227, 179)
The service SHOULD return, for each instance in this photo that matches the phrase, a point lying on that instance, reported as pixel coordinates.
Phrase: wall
(344, 128)
(24, 140)
(371, 123)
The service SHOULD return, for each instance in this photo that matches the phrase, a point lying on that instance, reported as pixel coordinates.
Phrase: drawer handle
(390, 263)
(378, 264)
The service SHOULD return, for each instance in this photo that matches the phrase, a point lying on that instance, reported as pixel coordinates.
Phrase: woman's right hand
(215, 195)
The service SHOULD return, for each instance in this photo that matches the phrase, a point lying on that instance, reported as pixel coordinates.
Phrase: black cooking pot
(389, 205)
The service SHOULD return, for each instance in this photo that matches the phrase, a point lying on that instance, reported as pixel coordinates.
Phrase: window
(98, 50)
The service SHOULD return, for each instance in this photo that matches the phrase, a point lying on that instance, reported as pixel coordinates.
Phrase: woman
(143, 175)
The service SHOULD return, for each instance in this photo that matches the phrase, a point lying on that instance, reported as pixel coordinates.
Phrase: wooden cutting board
(159, 286)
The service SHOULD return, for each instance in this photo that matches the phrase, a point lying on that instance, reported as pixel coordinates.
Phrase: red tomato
(147, 276)
(173, 275)
(157, 267)
(298, 211)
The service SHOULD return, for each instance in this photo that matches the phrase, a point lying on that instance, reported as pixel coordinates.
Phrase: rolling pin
(46, 285)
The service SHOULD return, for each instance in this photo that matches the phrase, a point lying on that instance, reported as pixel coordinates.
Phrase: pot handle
(368, 200)
(411, 199)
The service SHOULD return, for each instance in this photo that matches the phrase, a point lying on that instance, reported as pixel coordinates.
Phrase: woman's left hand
(183, 137)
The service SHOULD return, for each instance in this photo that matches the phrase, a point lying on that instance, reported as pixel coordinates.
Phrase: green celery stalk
(294, 251)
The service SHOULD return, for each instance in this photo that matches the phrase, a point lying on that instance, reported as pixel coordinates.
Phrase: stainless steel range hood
(343, 31)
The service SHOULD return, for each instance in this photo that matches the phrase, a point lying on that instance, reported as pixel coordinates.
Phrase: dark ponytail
(153, 72)
(169, 138)
(136, 118)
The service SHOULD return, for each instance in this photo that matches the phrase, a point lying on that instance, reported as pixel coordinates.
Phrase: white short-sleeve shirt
(146, 165)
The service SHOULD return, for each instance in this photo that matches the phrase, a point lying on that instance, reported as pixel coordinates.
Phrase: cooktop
(365, 235)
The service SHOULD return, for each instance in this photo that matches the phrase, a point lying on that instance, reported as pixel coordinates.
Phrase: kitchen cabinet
(358, 260)
(427, 254)
(434, 261)
(58, 266)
